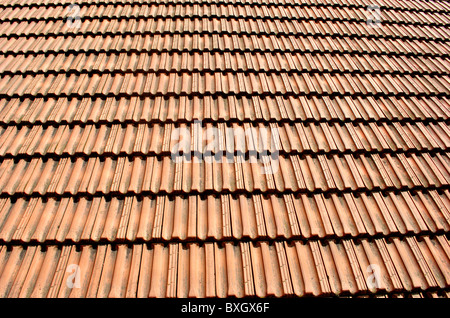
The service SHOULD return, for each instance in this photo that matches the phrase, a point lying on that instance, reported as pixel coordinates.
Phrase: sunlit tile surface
(224, 148)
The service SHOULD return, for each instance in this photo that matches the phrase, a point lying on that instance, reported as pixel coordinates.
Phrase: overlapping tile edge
(363, 150)
(222, 217)
(227, 269)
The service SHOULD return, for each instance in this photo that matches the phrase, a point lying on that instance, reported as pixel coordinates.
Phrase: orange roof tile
(224, 148)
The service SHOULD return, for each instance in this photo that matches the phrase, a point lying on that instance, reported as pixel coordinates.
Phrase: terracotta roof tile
(348, 171)
(229, 216)
(160, 139)
(224, 149)
(239, 83)
(290, 268)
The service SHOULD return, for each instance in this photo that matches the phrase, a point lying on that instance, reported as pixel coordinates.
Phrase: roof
(224, 148)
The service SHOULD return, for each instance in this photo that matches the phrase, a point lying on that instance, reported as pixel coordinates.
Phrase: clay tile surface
(253, 148)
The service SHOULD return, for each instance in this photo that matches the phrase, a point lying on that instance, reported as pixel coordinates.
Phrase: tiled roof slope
(355, 182)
